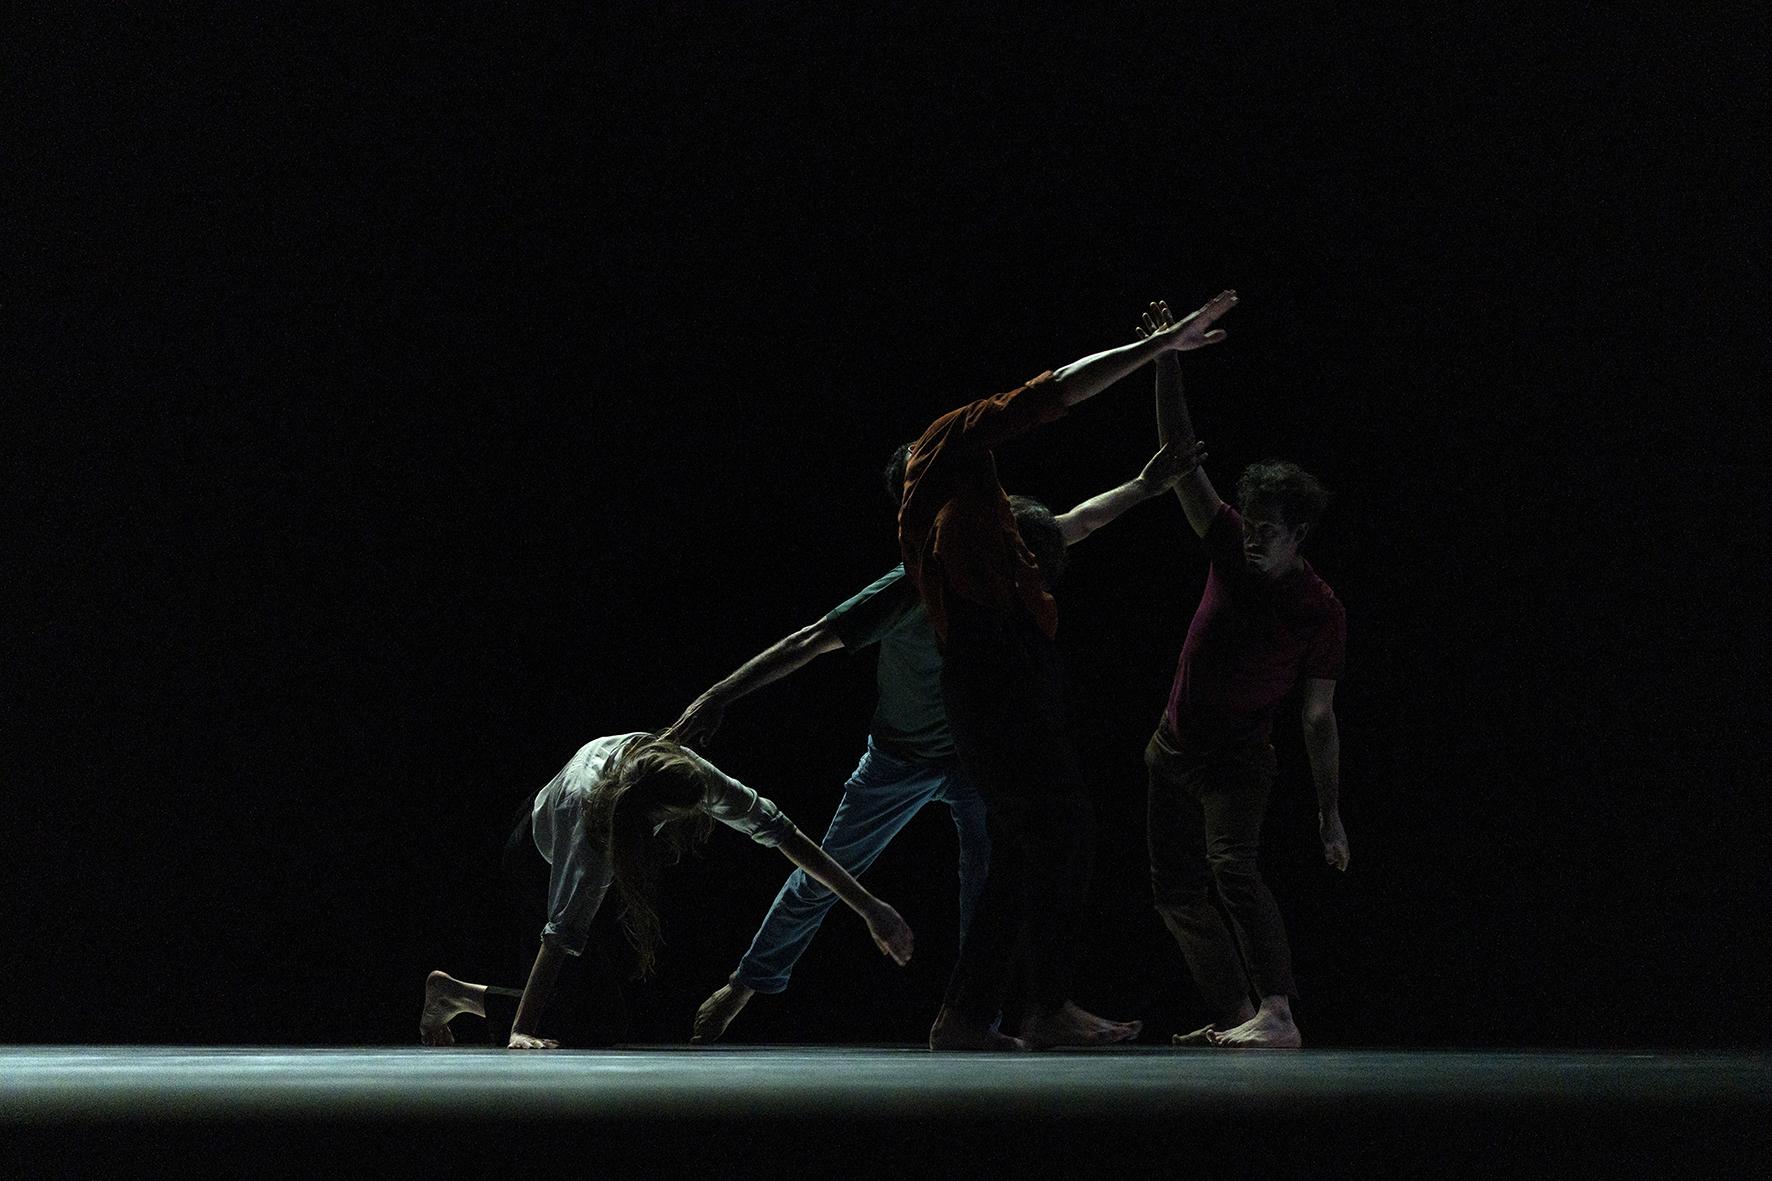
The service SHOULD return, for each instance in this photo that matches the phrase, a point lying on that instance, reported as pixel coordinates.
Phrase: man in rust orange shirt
(995, 621)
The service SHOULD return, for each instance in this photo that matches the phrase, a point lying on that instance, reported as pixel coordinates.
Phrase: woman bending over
(621, 809)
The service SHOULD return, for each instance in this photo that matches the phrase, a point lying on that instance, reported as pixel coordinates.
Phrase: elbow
(816, 639)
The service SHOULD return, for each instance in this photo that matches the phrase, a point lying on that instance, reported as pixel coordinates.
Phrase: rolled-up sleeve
(739, 807)
(577, 883)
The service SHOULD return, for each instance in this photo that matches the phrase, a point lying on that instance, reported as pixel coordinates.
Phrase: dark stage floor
(881, 1110)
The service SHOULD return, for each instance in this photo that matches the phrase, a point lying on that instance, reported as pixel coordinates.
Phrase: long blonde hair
(651, 783)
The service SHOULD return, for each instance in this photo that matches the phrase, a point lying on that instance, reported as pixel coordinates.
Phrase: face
(1270, 546)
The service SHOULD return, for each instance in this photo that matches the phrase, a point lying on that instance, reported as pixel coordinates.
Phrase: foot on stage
(1269, 1029)
(717, 1012)
(953, 1032)
(1068, 1025)
(445, 999)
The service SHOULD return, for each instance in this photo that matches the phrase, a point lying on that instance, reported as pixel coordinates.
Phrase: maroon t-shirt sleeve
(1326, 657)
(1224, 537)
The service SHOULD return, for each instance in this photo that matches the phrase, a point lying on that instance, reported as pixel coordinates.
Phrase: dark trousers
(1205, 814)
(587, 1007)
(1005, 702)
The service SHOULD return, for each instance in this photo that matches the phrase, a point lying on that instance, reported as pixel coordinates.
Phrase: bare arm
(1164, 468)
(1199, 499)
(1083, 379)
(536, 993)
(1322, 742)
(785, 656)
(890, 932)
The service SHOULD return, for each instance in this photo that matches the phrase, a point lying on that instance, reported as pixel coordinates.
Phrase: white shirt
(581, 875)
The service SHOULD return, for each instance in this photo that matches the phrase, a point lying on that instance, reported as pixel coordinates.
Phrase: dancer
(909, 761)
(1265, 622)
(995, 621)
(623, 807)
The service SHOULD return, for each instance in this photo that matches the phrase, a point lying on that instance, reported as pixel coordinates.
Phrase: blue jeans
(882, 795)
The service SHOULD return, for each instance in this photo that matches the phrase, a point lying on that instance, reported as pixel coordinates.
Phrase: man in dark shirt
(1265, 623)
(995, 621)
(910, 760)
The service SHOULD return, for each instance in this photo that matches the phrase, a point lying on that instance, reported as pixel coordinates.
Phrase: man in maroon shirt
(1265, 623)
(988, 602)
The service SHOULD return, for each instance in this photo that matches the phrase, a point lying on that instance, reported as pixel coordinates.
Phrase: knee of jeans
(1178, 898)
(803, 887)
(1234, 869)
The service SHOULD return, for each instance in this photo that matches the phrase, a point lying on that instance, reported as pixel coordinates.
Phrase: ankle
(1278, 1006)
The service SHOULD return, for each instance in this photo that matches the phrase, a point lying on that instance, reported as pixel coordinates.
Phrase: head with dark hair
(645, 809)
(901, 458)
(1280, 502)
(1040, 533)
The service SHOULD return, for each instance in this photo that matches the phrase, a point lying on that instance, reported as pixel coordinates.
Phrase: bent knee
(1180, 900)
(802, 887)
(1233, 873)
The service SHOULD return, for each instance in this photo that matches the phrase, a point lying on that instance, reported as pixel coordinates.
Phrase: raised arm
(1322, 742)
(785, 656)
(1199, 499)
(891, 934)
(1164, 469)
(1083, 379)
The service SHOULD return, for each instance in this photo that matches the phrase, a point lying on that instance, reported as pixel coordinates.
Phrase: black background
(410, 395)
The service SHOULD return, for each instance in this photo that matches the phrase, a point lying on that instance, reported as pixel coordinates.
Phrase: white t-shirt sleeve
(577, 882)
(737, 806)
(578, 876)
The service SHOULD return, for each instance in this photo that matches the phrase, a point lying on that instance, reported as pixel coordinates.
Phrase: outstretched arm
(1083, 379)
(1164, 469)
(1322, 742)
(891, 934)
(785, 656)
(536, 992)
(1199, 499)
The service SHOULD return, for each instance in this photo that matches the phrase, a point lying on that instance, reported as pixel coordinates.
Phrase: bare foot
(1199, 1037)
(952, 1032)
(445, 999)
(1203, 1035)
(1267, 1030)
(1068, 1025)
(717, 1012)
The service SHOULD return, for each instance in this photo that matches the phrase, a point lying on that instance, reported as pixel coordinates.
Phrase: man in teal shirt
(910, 759)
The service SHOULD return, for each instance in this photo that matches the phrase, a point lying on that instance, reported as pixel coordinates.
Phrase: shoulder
(598, 751)
(582, 770)
(1321, 598)
(863, 617)
(1224, 536)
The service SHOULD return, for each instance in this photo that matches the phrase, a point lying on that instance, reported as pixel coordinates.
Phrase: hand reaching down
(892, 935)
